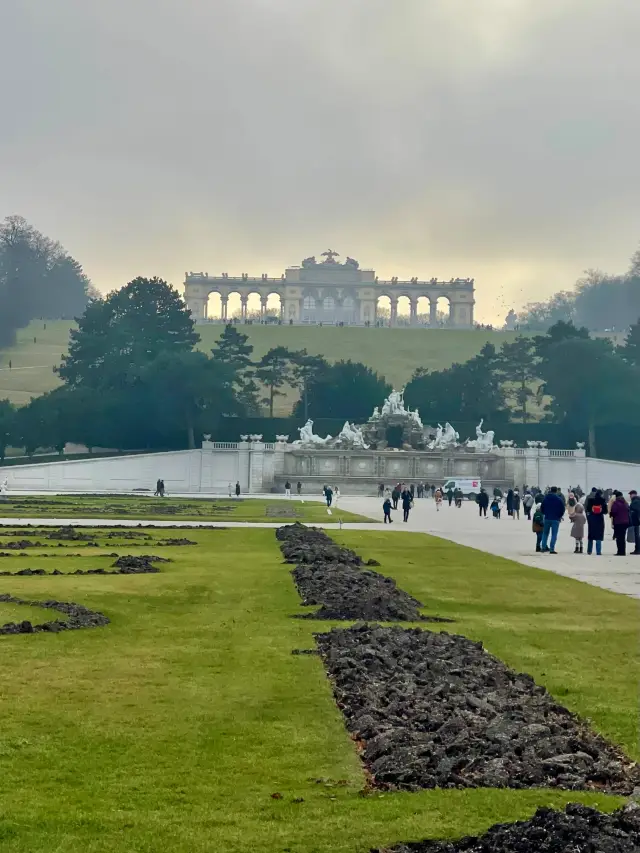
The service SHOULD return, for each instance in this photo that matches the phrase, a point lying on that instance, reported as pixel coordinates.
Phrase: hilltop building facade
(332, 292)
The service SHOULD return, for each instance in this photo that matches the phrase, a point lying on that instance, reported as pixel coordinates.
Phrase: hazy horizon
(424, 137)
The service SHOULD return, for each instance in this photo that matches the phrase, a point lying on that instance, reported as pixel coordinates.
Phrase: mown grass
(171, 728)
(169, 508)
(394, 353)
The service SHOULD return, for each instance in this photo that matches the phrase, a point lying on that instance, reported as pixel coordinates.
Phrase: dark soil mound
(176, 542)
(345, 592)
(436, 710)
(301, 544)
(70, 534)
(333, 578)
(21, 544)
(77, 617)
(578, 829)
(138, 565)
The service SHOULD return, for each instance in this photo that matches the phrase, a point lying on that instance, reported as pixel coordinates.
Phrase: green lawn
(171, 728)
(168, 508)
(395, 353)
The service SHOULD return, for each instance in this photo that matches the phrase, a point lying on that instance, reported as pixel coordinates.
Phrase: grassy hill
(395, 353)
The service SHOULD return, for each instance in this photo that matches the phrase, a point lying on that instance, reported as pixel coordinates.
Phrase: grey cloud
(425, 137)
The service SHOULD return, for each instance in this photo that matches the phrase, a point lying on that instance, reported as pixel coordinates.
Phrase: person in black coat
(395, 496)
(406, 504)
(483, 502)
(510, 502)
(596, 509)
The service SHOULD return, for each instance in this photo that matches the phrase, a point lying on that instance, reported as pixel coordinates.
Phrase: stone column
(394, 310)
(433, 310)
(224, 307)
(243, 307)
(263, 307)
(413, 312)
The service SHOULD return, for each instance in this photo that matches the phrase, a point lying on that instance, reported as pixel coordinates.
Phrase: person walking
(287, 489)
(620, 519)
(433, 490)
(537, 525)
(395, 496)
(553, 510)
(527, 503)
(157, 491)
(579, 520)
(328, 495)
(336, 495)
(237, 489)
(299, 488)
(509, 502)
(516, 505)
(438, 496)
(457, 497)
(386, 509)
(406, 505)
(572, 502)
(495, 507)
(596, 509)
(483, 503)
(634, 520)
(380, 490)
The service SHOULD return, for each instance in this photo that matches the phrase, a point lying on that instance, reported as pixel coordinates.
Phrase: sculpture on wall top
(308, 437)
(483, 440)
(352, 436)
(446, 437)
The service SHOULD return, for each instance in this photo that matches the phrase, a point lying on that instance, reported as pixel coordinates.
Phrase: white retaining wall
(255, 464)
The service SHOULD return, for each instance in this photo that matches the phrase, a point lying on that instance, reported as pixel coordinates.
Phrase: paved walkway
(504, 538)
(514, 540)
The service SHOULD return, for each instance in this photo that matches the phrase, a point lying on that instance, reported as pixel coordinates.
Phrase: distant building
(331, 292)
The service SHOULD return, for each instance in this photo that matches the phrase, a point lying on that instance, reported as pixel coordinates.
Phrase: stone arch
(234, 305)
(403, 310)
(443, 314)
(383, 309)
(274, 305)
(213, 308)
(423, 309)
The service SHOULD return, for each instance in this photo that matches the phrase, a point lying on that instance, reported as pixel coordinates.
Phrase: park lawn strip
(135, 507)
(577, 640)
(394, 353)
(172, 727)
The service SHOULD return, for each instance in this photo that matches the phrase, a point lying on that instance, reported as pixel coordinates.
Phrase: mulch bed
(126, 565)
(577, 829)
(335, 578)
(436, 710)
(77, 617)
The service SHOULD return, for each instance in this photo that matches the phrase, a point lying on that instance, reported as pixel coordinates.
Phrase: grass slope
(168, 508)
(171, 728)
(395, 353)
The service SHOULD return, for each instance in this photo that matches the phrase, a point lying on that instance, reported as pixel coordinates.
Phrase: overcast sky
(496, 139)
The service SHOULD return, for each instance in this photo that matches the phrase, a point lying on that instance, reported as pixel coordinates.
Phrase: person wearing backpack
(537, 525)
(527, 503)
(596, 509)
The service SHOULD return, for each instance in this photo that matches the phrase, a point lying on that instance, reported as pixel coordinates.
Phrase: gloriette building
(332, 292)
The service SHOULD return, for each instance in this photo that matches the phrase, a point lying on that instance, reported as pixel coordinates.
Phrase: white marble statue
(394, 404)
(352, 435)
(4, 489)
(307, 436)
(376, 414)
(415, 417)
(483, 440)
(450, 437)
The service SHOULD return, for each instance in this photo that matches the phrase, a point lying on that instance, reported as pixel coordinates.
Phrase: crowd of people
(544, 509)
(587, 513)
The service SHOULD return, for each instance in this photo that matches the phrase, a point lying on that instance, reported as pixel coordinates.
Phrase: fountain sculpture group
(414, 434)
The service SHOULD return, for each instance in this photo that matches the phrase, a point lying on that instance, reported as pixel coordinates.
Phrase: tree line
(133, 379)
(38, 278)
(600, 301)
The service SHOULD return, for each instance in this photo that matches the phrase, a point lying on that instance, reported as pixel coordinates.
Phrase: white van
(468, 486)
